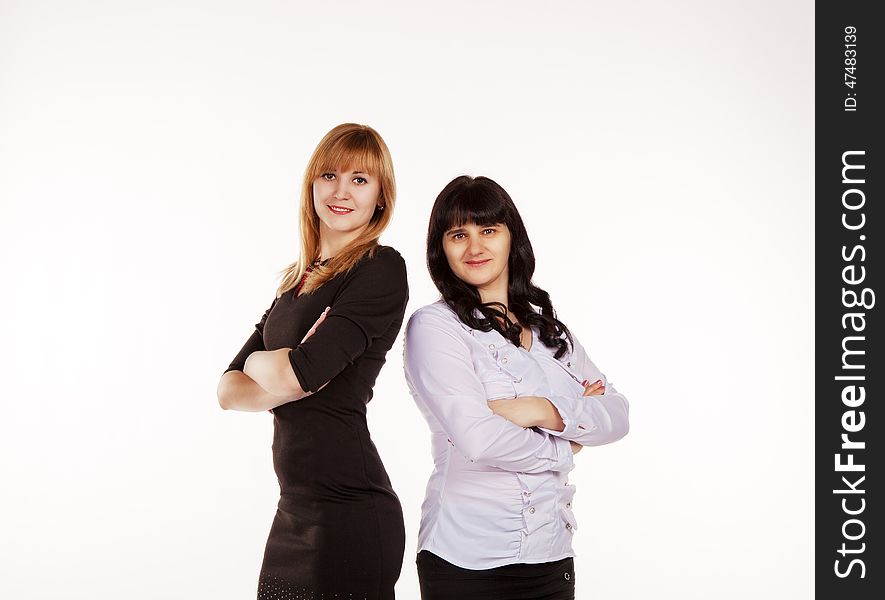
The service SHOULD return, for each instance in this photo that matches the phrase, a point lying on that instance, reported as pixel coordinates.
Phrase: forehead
(350, 168)
(472, 226)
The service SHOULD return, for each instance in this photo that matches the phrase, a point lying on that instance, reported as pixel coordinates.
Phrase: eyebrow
(352, 172)
(463, 230)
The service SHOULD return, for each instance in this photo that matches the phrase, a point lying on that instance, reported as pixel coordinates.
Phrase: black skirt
(441, 580)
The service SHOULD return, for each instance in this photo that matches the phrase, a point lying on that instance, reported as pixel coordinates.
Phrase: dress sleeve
(253, 344)
(371, 300)
(591, 420)
(441, 376)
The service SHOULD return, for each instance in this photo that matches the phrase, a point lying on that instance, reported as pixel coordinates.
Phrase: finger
(316, 324)
(321, 318)
(592, 388)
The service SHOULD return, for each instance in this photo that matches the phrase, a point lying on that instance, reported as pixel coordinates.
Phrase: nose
(474, 246)
(342, 190)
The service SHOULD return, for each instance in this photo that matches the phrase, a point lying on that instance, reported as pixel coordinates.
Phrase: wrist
(548, 415)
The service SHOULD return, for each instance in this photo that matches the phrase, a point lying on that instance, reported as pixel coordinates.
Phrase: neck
(332, 242)
(494, 292)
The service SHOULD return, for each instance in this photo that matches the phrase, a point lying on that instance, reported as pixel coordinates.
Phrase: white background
(661, 154)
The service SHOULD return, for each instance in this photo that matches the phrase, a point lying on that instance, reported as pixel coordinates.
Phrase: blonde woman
(312, 361)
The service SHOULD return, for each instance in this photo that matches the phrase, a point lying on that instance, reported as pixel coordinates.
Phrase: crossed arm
(599, 416)
(537, 411)
(266, 381)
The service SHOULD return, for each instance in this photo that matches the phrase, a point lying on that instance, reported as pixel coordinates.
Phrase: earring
(380, 207)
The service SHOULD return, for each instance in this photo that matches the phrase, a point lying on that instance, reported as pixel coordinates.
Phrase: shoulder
(436, 315)
(386, 255)
(384, 267)
(384, 262)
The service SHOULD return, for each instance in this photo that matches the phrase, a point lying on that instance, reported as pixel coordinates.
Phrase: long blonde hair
(347, 145)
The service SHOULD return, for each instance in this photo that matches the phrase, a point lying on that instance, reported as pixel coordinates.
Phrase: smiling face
(478, 255)
(344, 201)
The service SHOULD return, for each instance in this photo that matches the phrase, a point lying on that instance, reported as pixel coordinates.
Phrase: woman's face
(345, 200)
(478, 255)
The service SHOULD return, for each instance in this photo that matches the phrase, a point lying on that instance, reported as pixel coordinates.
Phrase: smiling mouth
(477, 263)
(339, 210)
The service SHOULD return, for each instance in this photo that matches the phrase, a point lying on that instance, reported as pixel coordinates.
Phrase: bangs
(357, 150)
(473, 205)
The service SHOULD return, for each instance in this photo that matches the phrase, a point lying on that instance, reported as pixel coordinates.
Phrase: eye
(489, 231)
(458, 236)
(328, 176)
(360, 180)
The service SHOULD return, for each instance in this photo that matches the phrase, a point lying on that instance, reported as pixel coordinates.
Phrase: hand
(597, 388)
(313, 327)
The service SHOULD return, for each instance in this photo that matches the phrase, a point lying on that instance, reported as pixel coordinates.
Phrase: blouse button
(569, 364)
(532, 510)
(517, 380)
(491, 346)
(504, 360)
(568, 525)
(568, 504)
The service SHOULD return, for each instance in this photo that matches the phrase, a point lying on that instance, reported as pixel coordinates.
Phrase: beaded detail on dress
(274, 588)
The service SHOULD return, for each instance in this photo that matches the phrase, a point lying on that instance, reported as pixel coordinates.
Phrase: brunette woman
(313, 360)
(510, 395)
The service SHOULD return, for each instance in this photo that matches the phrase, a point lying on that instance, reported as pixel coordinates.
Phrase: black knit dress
(338, 531)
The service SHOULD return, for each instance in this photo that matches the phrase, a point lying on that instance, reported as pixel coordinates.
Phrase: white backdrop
(661, 154)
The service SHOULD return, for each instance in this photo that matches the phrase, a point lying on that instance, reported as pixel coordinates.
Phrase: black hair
(481, 201)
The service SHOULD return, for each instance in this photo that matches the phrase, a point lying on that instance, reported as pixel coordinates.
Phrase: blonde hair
(347, 145)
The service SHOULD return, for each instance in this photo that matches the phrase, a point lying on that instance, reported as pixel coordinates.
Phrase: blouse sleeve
(441, 376)
(253, 344)
(371, 300)
(592, 420)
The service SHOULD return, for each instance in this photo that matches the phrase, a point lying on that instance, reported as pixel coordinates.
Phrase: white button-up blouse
(499, 493)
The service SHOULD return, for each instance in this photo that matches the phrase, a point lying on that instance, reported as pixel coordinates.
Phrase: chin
(474, 281)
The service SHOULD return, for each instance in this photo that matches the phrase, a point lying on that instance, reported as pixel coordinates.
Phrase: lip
(339, 210)
(476, 263)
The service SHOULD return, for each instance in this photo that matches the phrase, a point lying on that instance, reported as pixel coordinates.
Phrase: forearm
(547, 416)
(273, 372)
(593, 420)
(238, 391)
(500, 444)
(529, 411)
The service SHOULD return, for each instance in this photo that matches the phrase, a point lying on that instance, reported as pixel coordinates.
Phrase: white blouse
(499, 493)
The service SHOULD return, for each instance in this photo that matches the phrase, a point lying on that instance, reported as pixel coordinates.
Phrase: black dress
(338, 530)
